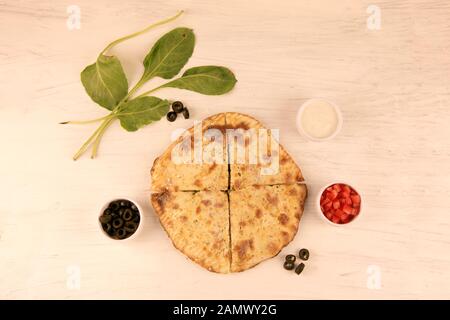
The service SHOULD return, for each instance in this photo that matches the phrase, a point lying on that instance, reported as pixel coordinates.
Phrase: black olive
(136, 219)
(121, 233)
(105, 218)
(114, 205)
(288, 265)
(124, 203)
(303, 254)
(121, 211)
(290, 258)
(134, 208)
(171, 116)
(130, 226)
(300, 268)
(186, 113)
(177, 106)
(110, 230)
(127, 214)
(117, 223)
(107, 212)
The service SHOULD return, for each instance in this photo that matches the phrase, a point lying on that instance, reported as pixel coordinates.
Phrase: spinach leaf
(140, 112)
(105, 82)
(209, 80)
(169, 54)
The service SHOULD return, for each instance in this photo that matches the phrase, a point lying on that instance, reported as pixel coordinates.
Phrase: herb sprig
(107, 85)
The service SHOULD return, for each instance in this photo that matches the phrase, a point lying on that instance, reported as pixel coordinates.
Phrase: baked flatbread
(263, 219)
(198, 224)
(186, 167)
(228, 213)
(266, 161)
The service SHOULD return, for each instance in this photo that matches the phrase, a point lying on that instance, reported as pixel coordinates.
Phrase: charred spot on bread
(206, 203)
(283, 218)
(243, 247)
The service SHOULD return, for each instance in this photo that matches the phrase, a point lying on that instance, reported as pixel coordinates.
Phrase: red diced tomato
(347, 209)
(355, 199)
(338, 213)
(345, 218)
(336, 204)
(345, 188)
(335, 219)
(332, 194)
(340, 203)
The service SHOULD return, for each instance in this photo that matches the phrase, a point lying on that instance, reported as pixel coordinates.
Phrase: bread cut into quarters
(220, 207)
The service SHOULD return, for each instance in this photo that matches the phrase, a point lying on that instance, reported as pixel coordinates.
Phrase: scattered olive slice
(288, 265)
(177, 106)
(300, 268)
(290, 258)
(171, 116)
(303, 254)
(186, 113)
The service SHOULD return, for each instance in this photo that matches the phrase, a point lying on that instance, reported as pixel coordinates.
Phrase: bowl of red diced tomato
(339, 203)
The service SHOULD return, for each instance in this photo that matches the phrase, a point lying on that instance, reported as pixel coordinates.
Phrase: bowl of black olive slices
(120, 219)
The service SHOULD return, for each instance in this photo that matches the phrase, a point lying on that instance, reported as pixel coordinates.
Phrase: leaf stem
(151, 91)
(100, 134)
(87, 143)
(112, 44)
(88, 121)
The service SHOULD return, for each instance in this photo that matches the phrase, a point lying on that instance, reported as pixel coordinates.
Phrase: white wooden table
(391, 83)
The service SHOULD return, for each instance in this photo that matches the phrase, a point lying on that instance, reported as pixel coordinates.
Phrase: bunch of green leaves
(105, 82)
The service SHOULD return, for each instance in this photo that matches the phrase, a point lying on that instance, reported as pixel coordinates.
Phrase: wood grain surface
(392, 85)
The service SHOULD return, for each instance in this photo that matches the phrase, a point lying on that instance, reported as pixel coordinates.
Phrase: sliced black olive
(300, 268)
(303, 254)
(121, 233)
(127, 214)
(107, 212)
(186, 113)
(105, 218)
(171, 116)
(110, 230)
(288, 265)
(117, 223)
(130, 226)
(134, 208)
(290, 258)
(114, 205)
(177, 106)
(121, 211)
(136, 219)
(124, 203)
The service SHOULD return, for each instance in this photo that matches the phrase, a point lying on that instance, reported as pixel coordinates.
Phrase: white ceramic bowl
(299, 125)
(141, 220)
(322, 215)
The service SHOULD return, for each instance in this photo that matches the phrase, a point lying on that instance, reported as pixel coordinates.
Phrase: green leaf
(169, 54)
(105, 82)
(140, 112)
(210, 80)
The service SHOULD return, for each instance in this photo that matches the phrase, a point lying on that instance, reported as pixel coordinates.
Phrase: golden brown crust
(281, 213)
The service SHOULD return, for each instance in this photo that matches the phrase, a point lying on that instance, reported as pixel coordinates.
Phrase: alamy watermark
(235, 146)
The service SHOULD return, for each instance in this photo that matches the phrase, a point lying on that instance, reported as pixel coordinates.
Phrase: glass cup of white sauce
(319, 119)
